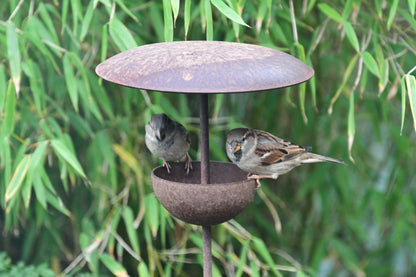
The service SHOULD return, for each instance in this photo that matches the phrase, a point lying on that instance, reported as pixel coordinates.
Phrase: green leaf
(116, 268)
(345, 80)
(187, 16)
(412, 6)
(370, 63)
(208, 19)
(64, 152)
(392, 13)
(410, 18)
(126, 9)
(254, 269)
(351, 125)
(8, 123)
(32, 70)
(168, 21)
(329, 11)
(403, 89)
(131, 231)
(261, 248)
(243, 259)
(3, 88)
(228, 12)
(39, 189)
(411, 92)
(71, 81)
(121, 35)
(17, 178)
(47, 20)
(352, 37)
(13, 55)
(175, 9)
(142, 270)
(87, 20)
(57, 203)
(152, 213)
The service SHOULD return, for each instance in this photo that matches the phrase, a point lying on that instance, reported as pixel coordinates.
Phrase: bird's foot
(188, 163)
(167, 165)
(252, 176)
(258, 177)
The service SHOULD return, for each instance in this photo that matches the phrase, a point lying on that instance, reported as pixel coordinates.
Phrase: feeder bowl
(228, 193)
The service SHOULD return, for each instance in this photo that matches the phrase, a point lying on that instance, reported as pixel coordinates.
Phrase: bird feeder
(213, 192)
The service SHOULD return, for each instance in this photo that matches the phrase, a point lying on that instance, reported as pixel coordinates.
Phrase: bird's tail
(315, 158)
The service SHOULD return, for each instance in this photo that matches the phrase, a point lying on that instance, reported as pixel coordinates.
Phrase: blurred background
(76, 196)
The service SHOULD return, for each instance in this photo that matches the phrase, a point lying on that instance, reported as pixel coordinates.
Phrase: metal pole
(204, 144)
(207, 254)
(204, 138)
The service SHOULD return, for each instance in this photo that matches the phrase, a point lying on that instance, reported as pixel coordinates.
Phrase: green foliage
(75, 188)
(7, 269)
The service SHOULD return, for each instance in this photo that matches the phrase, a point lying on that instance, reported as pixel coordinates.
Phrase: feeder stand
(213, 192)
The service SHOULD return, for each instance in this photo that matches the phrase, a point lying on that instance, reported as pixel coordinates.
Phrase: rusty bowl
(228, 193)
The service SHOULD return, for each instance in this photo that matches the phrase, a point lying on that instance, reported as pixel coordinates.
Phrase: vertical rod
(207, 254)
(204, 144)
(204, 138)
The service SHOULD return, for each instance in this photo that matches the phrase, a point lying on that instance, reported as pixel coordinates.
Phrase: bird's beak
(158, 134)
(237, 148)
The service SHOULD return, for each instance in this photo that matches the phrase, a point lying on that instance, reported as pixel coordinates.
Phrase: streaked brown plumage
(264, 155)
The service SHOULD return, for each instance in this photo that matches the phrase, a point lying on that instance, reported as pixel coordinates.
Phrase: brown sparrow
(264, 155)
(168, 140)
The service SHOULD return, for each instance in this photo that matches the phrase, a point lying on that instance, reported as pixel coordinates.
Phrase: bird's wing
(272, 149)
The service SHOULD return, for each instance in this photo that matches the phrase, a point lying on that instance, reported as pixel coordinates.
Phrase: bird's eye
(244, 139)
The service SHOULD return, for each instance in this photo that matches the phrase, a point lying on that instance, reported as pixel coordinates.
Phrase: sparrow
(264, 155)
(168, 140)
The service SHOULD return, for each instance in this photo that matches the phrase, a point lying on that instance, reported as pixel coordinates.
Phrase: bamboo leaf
(208, 20)
(412, 6)
(104, 42)
(152, 213)
(116, 268)
(47, 20)
(261, 248)
(168, 21)
(351, 125)
(17, 178)
(127, 157)
(411, 92)
(57, 203)
(187, 16)
(3, 88)
(131, 231)
(142, 270)
(345, 79)
(64, 152)
(175, 9)
(121, 35)
(370, 63)
(243, 259)
(329, 11)
(352, 37)
(228, 12)
(71, 81)
(392, 13)
(39, 189)
(8, 123)
(85, 27)
(403, 89)
(254, 269)
(410, 18)
(13, 55)
(125, 9)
